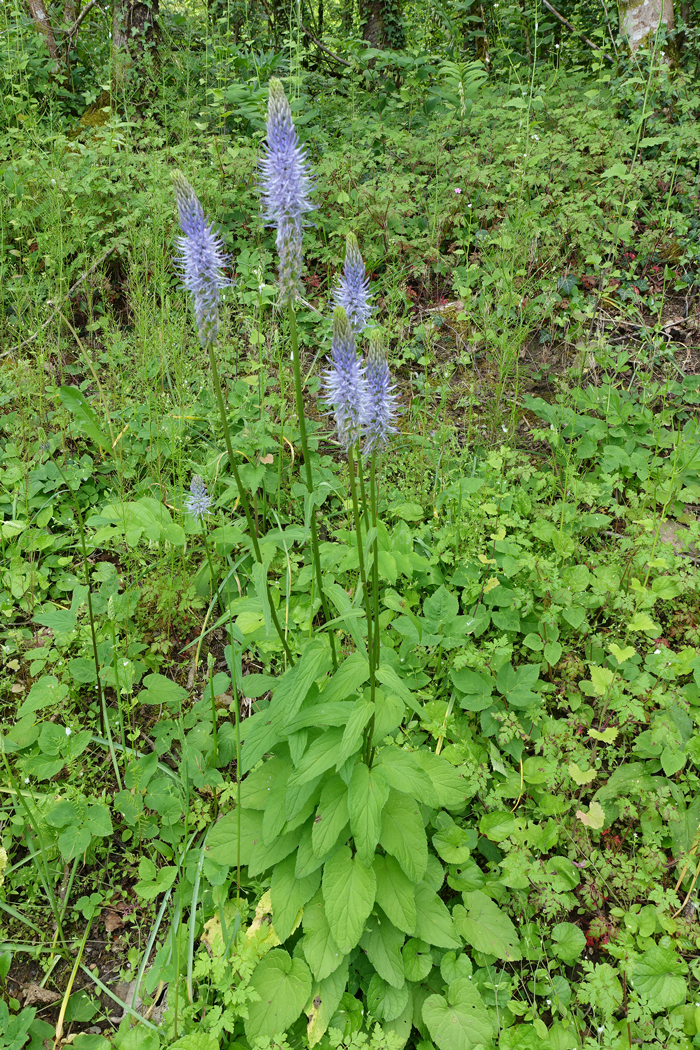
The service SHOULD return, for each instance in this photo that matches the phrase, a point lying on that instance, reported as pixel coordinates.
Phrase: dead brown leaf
(33, 993)
(112, 920)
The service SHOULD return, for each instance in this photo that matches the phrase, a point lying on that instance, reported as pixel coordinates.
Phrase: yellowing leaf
(500, 534)
(581, 776)
(602, 678)
(595, 818)
(622, 654)
(493, 582)
(641, 622)
(486, 561)
(608, 736)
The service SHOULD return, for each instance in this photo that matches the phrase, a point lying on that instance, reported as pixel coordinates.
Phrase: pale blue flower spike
(344, 381)
(380, 402)
(201, 261)
(352, 291)
(285, 183)
(199, 501)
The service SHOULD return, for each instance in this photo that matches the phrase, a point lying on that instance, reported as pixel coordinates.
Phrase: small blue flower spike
(345, 381)
(286, 183)
(379, 407)
(352, 291)
(199, 501)
(201, 261)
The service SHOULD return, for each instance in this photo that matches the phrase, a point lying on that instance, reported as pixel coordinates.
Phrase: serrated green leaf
(222, 843)
(349, 890)
(659, 975)
(433, 920)
(289, 895)
(321, 755)
(283, 985)
(417, 959)
(460, 1020)
(320, 949)
(568, 942)
(352, 734)
(396, 893)
(404, 773)
(382, 942)
(367, 795)
(331, 816)
(403, 834)
(385, 1002)
(485, 927)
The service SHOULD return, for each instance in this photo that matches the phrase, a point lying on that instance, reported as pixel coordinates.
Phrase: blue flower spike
(352, 291)
(345, 381)
(201, 260)
(286, 183)
(380, 402)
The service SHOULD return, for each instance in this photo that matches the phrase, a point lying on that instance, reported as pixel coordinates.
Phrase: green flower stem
(244, 497)
(309, 475)
(237, 713)
(371, 628)
(375, 584)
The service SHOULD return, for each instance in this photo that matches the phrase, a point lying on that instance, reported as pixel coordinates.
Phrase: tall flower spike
(344, 381)
(201, 260)
(286, 184)
(199, 501)
(379, 408)
(352, 291)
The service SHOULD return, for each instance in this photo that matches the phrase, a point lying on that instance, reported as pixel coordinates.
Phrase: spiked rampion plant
(285, 182)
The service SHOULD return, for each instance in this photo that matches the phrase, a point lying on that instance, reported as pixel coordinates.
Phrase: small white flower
(600, 1030)
(656, 652)
(549, 1002)
(556, 48)
(68, 731)
(469, 205)
(26, 780)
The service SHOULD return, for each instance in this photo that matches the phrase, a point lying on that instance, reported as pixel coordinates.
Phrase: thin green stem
(363, 574)
(309, 474)
(243, 496)
(375, 577)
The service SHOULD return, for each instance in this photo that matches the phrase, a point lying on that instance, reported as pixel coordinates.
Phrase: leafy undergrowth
(517, 866)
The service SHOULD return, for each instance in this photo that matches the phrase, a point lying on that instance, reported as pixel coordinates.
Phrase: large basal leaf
(320, 950)
(485, 927)
(396, 893)
(349, 889)
(320, 756)
(382, 942)
(659, 975)
(450, 786)
(433, 920)
(385, 1002)
(222, 843)
(289, 895)
(283, 985)
(351, 674)
(417, 959)
(331, 816)
(368, 792)
(403, 834)
(352, 734)
(460, 1020)
(324, 1001)
(404, 774)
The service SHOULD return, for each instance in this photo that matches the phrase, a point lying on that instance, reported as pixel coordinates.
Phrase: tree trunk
(135, 33)
(37, 10)
(373, 18)
(70, 12)
(383, 23)
(640, 20)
